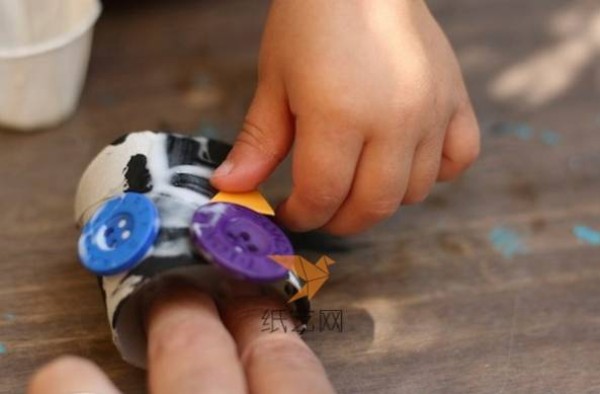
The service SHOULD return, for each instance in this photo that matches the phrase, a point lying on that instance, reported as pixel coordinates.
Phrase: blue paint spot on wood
(3, 349)
(523, 131)
(506, 241)
(587, 235)
(550, 138)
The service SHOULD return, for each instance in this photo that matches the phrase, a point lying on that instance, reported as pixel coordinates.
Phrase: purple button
(240, 240)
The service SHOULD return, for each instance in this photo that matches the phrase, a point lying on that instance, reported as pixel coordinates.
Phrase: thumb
(264, 141)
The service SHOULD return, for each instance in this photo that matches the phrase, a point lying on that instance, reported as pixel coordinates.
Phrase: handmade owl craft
(145, 210)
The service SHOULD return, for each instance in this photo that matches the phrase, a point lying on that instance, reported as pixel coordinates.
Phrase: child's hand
(371, 93)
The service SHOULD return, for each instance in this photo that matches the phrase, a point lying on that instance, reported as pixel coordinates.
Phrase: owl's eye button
(119, 235)
(239, 241)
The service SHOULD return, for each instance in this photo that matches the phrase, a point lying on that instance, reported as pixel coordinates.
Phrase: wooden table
(482, 289)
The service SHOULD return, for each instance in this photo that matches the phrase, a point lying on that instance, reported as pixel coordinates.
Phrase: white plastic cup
(44, 54)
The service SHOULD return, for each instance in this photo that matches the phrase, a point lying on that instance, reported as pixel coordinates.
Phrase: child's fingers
(325, 159)
(274, 356)
(425, 169)
(189, 349)
(70, 374)
(264, 141)
(461, 145)
(379, 187)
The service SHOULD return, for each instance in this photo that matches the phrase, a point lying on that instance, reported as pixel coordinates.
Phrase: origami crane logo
(313, 275)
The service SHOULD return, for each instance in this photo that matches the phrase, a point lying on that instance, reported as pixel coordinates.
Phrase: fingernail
(224, 169)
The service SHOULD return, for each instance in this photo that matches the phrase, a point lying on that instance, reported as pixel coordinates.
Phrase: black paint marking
(167, 234)
(188, 151)
(301, 308)
(182, 151)
(137, 175)
(194, 183)
(218, 151)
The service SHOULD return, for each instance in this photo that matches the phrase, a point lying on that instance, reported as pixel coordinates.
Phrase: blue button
(119, 235)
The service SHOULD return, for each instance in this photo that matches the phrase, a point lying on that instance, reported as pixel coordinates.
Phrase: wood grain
(430, 306)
